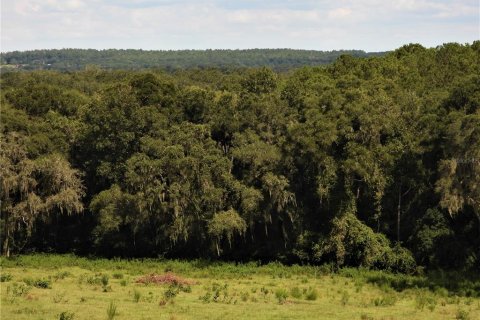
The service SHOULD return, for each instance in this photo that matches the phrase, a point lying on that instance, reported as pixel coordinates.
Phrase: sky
(370, 25)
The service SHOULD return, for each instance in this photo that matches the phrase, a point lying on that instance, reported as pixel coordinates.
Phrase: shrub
(17, 290)
(281, 295)
(311, 294)
(462, 315)
(171, 292)
(38, 283)
(206, 298)
(353, 243)
(5, 277)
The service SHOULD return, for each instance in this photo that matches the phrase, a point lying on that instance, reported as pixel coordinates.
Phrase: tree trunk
(6, 243)
(399, 208)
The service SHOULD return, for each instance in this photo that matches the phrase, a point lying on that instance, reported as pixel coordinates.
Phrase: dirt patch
(167, 278)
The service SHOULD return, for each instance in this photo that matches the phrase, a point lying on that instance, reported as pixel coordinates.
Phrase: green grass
(70, 287)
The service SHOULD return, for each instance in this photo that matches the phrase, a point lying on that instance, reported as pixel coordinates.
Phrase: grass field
(69, 287)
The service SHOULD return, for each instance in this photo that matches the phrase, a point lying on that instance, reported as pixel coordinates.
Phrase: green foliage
(136, 296)
(462, 315)
(226, 223)
(76, 59)
(281, 294)
(296, 293)
(367, 162)
(5, 277)
(425, 299)
(353, 243)
(112, 311)
(66, 315)
(38, 283)
(311, 294)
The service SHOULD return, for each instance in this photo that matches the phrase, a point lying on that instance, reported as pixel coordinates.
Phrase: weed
(104, 280)
(18, 290)
(296, 293)
(311, 294)
(385, 300)
(462, 315)
(171, 292)
(61, 275)
(365, 316)
(265, 291)
(123, 283)
(65, 315)
(58, 297)
(281, 295)
(5, 277)
(117, 275)
(111, 311)
(38, 283)
(206, 298)
(423, 300)
(136, 296)
(345, 298)
(162, 302)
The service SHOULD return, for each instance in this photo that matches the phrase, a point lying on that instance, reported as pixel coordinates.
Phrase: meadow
(69, 287)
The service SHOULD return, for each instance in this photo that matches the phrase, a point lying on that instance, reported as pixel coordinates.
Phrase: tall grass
(111, 311)
(458, 283)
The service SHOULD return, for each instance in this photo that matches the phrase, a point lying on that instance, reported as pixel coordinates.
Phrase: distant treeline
(78, 59)
(371, 162)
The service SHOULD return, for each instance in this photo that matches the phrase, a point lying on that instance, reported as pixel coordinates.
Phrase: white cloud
(340, 13)
(168, 24)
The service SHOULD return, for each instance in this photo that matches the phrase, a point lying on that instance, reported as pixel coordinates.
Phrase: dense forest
(368, 161)
(78, 59)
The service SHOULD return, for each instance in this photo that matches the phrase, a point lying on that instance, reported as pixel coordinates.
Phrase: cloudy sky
(371, 25)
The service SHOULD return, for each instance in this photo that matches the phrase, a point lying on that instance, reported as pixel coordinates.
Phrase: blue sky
(371, 25)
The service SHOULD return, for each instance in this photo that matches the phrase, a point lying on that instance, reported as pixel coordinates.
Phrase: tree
(33, 189)
(459, 171)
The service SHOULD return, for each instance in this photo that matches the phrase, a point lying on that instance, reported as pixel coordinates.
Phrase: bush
(353, 243)
(311, 294)
(281, 295)
(462, 315)
(38, 283)
(5, 277)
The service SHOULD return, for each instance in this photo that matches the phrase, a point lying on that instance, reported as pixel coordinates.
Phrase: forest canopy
(369, 161)
(78, 59)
